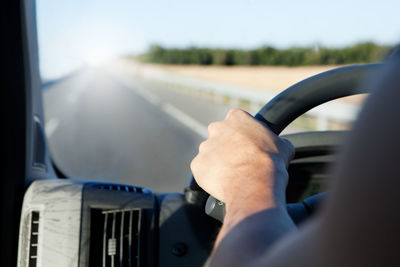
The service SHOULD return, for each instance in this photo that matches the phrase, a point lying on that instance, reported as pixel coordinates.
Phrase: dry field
(256, 78)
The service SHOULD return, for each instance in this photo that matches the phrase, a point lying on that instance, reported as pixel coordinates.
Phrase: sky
(73, 33)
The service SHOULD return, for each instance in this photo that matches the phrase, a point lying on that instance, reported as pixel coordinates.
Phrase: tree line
(366, 52)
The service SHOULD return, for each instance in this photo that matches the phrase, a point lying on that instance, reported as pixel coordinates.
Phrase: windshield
(129, 87)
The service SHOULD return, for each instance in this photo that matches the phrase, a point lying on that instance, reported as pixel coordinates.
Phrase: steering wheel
(279, 112)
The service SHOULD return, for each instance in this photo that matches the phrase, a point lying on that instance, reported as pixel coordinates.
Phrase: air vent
(123, 188)
(115, 238)
(34, 239)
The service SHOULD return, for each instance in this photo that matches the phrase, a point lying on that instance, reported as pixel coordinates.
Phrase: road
(103, 125)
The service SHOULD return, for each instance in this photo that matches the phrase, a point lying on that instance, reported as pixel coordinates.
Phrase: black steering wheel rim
(299, 98)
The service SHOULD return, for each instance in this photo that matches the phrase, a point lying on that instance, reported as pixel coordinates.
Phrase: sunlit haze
(75, 33)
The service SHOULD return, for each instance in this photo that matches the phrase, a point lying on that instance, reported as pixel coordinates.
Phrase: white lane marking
(185, 119)
(51, 126)
(173, 111)
(166, 107)
(152, 98)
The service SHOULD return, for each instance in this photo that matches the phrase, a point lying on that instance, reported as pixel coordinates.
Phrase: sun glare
(96, 47)
(98, 56)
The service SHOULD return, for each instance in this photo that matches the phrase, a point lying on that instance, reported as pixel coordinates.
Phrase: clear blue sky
(76, 32)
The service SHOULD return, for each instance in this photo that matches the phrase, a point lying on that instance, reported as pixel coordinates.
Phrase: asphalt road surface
(106, 126)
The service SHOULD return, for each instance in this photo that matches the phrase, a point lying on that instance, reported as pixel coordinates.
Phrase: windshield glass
(129, 87)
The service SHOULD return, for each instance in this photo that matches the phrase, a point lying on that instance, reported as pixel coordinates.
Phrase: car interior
(50, 220)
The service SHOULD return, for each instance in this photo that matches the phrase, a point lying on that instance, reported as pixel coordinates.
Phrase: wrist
(250, 201)
(265, 189)
(245, 206)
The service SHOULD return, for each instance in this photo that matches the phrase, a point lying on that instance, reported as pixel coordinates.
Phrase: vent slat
(130, 239)
(112, 250)
(105, 239)
(138, 233)
(121, 240)
(119, 245)
(34, 238)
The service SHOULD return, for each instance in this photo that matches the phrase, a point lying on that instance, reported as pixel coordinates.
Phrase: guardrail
(340, 112)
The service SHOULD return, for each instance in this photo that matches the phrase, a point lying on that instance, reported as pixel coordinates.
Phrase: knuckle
(193, 165)
(196, 162)
(234, 112)
(202, 146)
(213, 127)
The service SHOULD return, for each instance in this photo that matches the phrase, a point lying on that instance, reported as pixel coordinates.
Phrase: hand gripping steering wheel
(278, 113)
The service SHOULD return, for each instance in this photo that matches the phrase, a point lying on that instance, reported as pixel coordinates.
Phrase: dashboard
(67, 222)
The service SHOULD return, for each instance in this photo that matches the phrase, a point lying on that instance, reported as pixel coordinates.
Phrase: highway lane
(105, 126)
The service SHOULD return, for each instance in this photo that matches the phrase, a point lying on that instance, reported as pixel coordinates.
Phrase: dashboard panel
(66, 222)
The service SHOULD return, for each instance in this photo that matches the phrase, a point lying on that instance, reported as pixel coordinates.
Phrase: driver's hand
(243, 161)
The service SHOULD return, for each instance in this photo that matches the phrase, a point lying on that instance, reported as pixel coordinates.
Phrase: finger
(202, 146)
(214, 128)
(194, 166)
(234, 113)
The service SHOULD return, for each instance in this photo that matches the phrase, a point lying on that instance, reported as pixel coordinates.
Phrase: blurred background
(129, 87)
